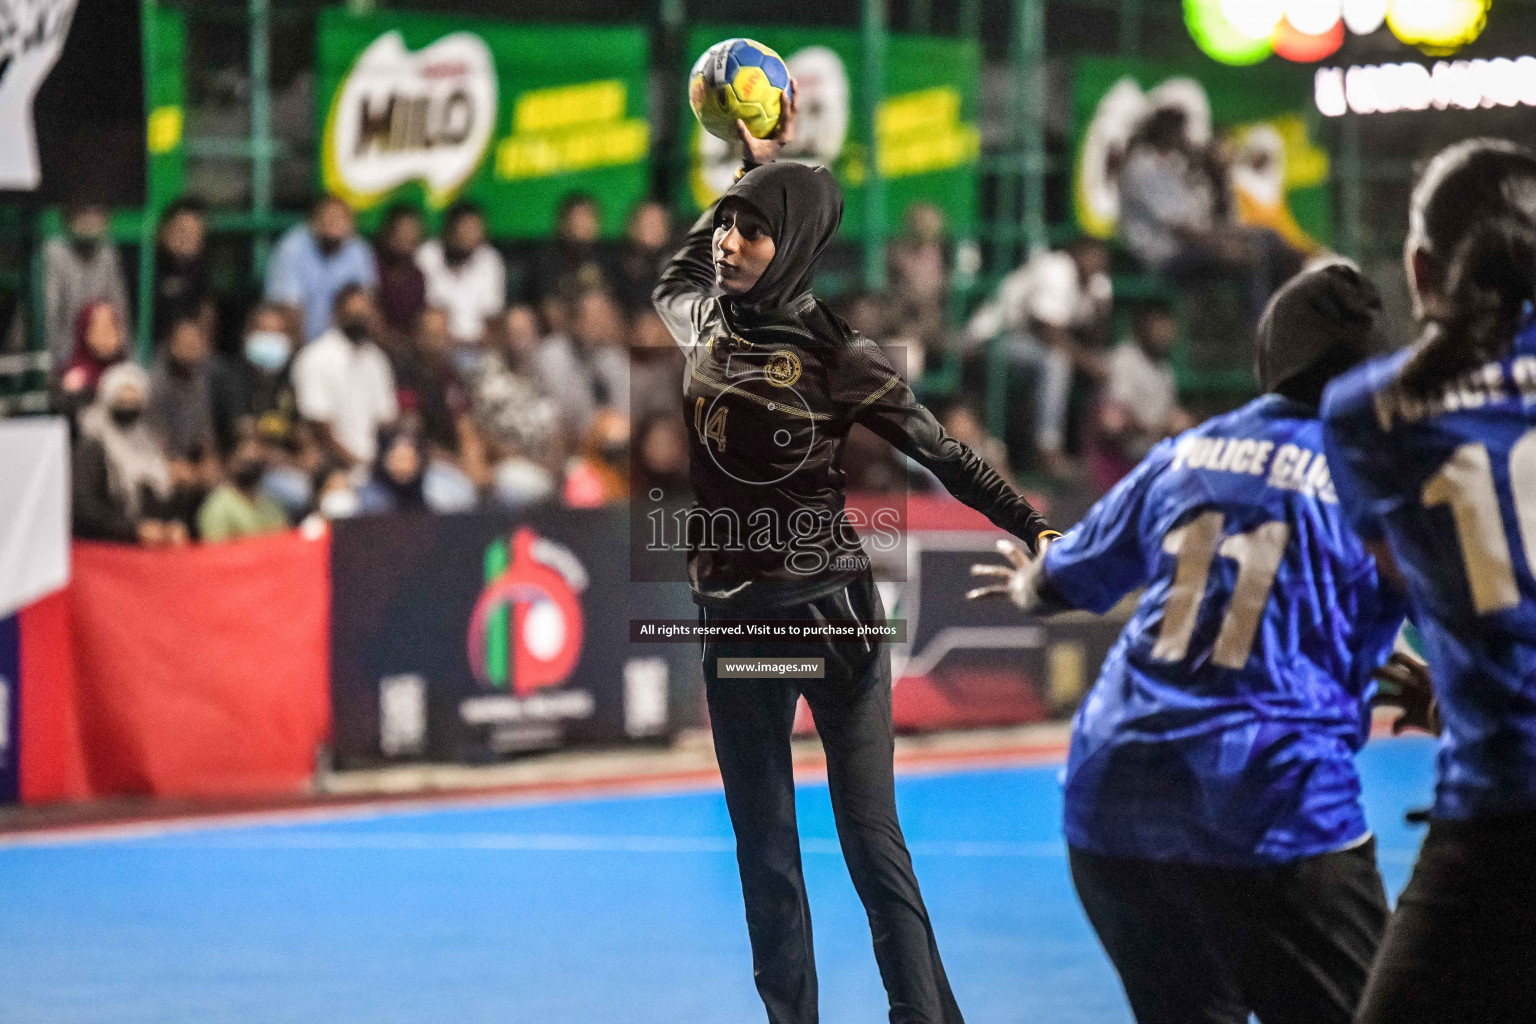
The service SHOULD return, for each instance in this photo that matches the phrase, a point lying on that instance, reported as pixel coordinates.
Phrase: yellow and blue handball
(739, 79)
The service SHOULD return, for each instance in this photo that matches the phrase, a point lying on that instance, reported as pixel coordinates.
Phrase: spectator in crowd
(120, 477)
(182, 282)
(255, 384)
(656, 368)
(343, 382)
(646, 246)
(572, 263)
(1050, 315)
(588, 368)
(100, 344)
(661, 448)
(1176, 214)
(315, 260)
(80, 268)
(399, 469)
(180, 412)
(1141, 402)
(519, 421)
(429, 386)
(253, 396)
(919, 274)
(599, 475)
(238, 508)
(465, 274)
(402, 285)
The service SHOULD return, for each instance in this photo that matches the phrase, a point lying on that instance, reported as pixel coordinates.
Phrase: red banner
(52, 764)
(203, 671)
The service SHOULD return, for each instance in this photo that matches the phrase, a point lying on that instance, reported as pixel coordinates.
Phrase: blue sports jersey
(1449, 482)
(1223, 726)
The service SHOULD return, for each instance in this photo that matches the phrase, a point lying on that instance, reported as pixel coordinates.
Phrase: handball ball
(739, 79)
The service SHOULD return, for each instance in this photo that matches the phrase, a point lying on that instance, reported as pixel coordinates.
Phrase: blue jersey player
(1213, 812)
(1434, 452)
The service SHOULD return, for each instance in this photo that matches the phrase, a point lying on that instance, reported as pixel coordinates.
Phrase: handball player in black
(774, 382)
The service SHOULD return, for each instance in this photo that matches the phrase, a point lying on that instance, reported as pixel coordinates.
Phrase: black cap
(1328, 315)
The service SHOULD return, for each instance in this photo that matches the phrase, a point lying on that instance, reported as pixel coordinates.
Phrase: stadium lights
(1437, 26)
(1240, 32)
(1391, 88)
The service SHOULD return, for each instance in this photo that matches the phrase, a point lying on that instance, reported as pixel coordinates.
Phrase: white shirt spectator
(1145, 386)
(1047, 289)
(347, 386)
(472, 292)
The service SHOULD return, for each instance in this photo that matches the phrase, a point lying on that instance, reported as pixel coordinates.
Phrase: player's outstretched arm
(1020, 581)
(885, 404)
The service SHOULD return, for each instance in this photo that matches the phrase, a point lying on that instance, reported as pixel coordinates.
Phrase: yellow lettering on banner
(567, 105)
(921, 132)
(571, 128)
(540, 156)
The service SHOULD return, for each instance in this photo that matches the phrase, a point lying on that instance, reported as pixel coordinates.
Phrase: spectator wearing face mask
(180, 410)
(238, 508)
(343, 382)
(120, 478)
(182, 283)
(253, 396)
(396, 484)
(465, 275)
(80, 268)
(255, 385)
(100, 344)
(315, 261)
(402, 285)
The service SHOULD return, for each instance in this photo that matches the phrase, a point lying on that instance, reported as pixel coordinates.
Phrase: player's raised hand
(1405, 684)
(754, 151)
(1015, 576)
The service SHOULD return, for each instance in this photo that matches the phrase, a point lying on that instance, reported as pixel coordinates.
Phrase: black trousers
(1203, 945)
(1462, 942)
(752, 720)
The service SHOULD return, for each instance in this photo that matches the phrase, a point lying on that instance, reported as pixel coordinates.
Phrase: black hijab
(1321, 323)
(803, 207)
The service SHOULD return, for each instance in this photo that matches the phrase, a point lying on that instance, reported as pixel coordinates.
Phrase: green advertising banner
(928, 140)
(1262, 116)
(429, 109)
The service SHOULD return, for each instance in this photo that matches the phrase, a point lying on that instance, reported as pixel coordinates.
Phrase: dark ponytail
(1474, 212)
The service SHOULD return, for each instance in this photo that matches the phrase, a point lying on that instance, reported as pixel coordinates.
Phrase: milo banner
(430, 109)
(470, 637)
(1262, 117)
(927, 133)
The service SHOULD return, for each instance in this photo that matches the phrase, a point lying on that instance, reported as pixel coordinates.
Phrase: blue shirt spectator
(314, 261)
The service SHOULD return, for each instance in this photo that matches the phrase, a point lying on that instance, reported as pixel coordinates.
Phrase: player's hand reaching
(1405, 684)
(754, 151)
(1016, 576)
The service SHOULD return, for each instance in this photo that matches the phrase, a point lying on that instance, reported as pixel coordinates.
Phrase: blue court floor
(585, 911)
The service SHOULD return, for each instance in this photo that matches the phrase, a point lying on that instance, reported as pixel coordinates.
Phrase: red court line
(150, 821)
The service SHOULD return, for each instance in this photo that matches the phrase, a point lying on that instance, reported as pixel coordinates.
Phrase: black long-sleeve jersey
(770, 399)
